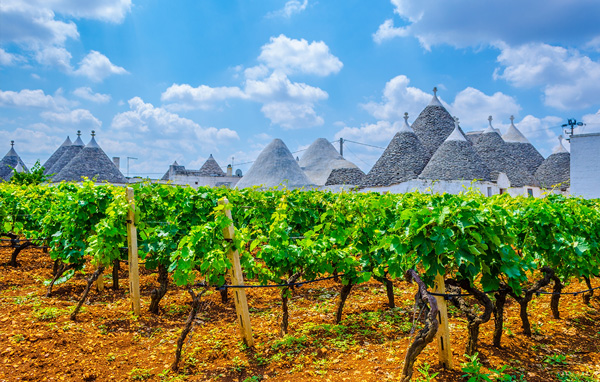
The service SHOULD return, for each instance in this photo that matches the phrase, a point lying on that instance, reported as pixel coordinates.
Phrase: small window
(530, 192)
(489, 191)
(502, 191)
(196, 182)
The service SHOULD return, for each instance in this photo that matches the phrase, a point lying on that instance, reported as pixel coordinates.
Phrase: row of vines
(489, 248)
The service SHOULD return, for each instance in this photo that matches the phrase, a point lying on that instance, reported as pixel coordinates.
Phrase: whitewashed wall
(585, 165)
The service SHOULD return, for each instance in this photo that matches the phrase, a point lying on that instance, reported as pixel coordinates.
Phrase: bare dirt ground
(38, 341)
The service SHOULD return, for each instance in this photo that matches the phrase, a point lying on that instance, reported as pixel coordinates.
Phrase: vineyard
(506, 264)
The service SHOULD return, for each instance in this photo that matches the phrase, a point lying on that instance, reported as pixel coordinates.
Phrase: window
(502, 191)
(489, 191)
(530, 192)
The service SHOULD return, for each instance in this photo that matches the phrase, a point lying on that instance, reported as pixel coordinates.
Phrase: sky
(164, 81)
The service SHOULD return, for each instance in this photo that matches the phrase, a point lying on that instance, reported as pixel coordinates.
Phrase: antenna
(572, 123)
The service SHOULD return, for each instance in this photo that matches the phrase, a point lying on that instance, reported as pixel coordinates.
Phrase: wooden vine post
(134, 274)
(443, 334)
(237, 278)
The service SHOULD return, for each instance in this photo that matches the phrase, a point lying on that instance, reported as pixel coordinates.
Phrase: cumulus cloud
(24, 22)
(97, 67)
(290, 8)
(104, 10)
(145, 117)
(592, 123)
(88, 94)
(8, 59)
(30, 98)
(291, 115)
(79, 118)
(473, 107)
(202, 97)
(292, 56)
(387, 31)
(284, 102)
(54, 56)
(569, 80)
(379, 132)
(464, 23)
(397, 99)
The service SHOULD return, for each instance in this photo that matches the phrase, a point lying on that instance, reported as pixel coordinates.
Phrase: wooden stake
(443, 334)
(134, 275)
(237, 278)
(100, 284)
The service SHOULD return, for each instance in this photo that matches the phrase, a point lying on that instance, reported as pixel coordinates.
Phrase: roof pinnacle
(79, 133)
(490, 119)
(512, 119)
(406, 117)
(12, 144)
(435, 91)
(93, 133)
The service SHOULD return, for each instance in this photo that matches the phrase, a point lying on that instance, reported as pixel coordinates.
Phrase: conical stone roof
(521, 149)
(92, 163)
(497, 157)
(403, 159)
(556, 169)
(211, 168)
(320, 159)
(349, 176)
(68, 155)
(57, 154)
(275, 166)
(433, 125)
(456, 159)
(11, 162)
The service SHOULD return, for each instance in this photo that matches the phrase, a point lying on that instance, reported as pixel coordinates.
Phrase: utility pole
(342, 147)
(572, 123)
(128, 158)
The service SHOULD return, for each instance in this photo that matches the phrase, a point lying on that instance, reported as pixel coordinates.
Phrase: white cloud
(29, 98)
(298, 56)
(473, 107)
(569, 80)
(278, 87)
(291, 115)
(464, 23)
(87, 93)
(202, 97)
(592, 123)
(27, 23)
(97, 67)
(387, 31)
(256, 72)
(104, 10)
(54, 56)
(290, 8)
(145, 117)
(397, 99)
(379, 132)
(32, 142)
(80, 118)
(8, 59)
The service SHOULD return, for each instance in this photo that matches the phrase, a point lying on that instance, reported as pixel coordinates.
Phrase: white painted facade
(205, 181)
(585, 165)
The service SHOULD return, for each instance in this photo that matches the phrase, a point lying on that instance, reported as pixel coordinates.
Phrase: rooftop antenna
(572, 123)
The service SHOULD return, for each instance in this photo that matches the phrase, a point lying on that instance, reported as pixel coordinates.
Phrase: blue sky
(179, 80)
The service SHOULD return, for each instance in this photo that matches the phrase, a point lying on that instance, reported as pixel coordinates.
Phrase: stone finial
(512, 119)
(12, 144)
(560, 139)
(406, 117)
(93, 133)
(435, 91)
(490, 120)
(456, 120)
(79, 133)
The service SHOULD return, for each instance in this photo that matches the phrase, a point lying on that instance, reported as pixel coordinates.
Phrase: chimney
(117, 162)
(229, 170)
